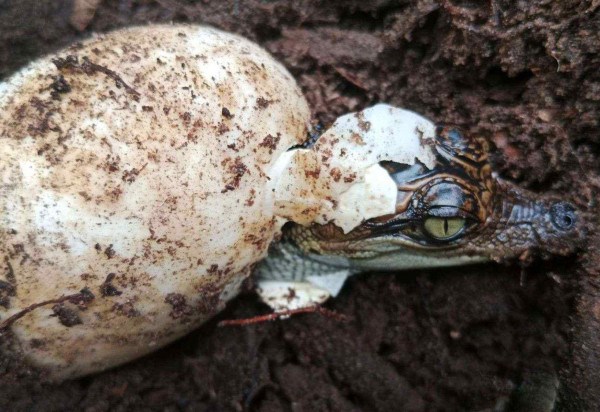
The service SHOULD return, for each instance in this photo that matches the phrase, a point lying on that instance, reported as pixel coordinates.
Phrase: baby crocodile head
(457, 212)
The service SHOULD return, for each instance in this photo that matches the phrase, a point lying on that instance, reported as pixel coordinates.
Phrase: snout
(557, 227)
(561, 231)
(529, 222)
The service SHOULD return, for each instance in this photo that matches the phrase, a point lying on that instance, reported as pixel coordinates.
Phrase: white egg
(143, 173)
(135, 164)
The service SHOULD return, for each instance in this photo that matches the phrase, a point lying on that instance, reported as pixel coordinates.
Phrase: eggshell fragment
(134, 166)
(340, 179)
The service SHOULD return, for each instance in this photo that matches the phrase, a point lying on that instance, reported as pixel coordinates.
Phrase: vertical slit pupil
(446, 227)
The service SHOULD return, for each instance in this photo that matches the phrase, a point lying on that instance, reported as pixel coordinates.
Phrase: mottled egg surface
(135, 164)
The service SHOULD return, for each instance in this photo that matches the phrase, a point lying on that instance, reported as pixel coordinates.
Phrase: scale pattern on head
(460, 187)
(457, 209)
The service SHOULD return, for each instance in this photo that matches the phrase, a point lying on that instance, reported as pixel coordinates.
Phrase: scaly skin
(501, 221)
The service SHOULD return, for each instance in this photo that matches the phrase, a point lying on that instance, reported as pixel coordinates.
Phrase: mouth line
(393, 243)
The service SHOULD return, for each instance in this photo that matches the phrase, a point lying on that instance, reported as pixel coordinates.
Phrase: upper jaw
(520, 225)
(524, 224)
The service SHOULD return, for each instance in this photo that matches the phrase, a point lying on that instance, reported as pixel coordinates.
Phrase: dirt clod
(67, 316)
(521, 75)
(107, 288)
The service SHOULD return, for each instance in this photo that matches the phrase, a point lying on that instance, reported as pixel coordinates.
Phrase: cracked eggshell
(340, 179)
(135, 164)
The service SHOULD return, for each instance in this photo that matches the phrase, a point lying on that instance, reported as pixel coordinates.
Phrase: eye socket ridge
(446, 199)
(449, 212)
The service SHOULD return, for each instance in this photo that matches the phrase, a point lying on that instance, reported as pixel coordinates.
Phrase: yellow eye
(443, 228)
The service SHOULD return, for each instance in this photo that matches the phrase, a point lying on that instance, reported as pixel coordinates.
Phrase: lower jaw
(407, 260)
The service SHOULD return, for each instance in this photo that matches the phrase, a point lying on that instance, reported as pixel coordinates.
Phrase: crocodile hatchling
(146, 172)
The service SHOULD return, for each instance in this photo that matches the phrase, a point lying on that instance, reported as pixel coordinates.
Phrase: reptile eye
(444, 228)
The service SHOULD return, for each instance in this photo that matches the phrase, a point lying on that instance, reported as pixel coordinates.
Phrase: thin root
(284, 314)
(79, 299)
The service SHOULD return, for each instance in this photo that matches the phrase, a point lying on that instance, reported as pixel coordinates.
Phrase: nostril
(563, 215)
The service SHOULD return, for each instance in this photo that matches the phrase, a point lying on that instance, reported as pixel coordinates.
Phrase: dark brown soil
(526, 77)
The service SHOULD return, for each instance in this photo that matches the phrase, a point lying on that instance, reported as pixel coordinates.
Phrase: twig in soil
(285, 314)
(79, 299)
